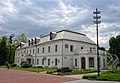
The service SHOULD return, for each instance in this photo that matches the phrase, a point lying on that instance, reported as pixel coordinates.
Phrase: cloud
(35, 17)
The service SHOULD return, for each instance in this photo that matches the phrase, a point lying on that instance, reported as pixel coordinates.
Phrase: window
(18, 60)
(30, 51)
(90, 49)
(43, 50)
(48, 61)
(18, 53)
(33, 51)
(42, 61)
(32, 61)
(38, 50)
(48, 48)
(37, 61)
(56, 62)
(75, 62)
(91, 62)
(71, 48)
(56, 48)
(27, 51)
(66, 45)
(81, 47)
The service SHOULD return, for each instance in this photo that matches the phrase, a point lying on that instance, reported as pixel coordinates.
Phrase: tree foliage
(3, 50)
(114, 44)
(20, 38)
(8, 47)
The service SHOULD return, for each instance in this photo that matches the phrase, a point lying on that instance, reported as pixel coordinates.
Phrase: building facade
(61, 49)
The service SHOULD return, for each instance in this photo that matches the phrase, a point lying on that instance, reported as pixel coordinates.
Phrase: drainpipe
(35, 55)
(62, 53)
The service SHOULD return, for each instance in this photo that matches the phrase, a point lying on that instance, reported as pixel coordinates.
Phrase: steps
(114, 60)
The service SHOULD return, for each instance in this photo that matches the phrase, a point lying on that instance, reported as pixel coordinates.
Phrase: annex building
(61, 49)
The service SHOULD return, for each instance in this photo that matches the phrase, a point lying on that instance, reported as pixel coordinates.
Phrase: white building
(61, 49)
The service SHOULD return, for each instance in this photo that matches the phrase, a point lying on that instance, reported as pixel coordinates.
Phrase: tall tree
(114, 44)
(3, 50)
(20, 38)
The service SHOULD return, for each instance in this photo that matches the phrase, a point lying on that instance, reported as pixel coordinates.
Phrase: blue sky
(35, 17)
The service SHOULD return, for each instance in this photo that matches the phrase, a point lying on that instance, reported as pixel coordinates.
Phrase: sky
(36, 17)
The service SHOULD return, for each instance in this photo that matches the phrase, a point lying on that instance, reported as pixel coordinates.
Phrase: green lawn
(32, 69)
(108, 76)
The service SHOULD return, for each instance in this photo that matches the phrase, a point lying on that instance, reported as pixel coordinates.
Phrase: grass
(106, 76)
(32, 69)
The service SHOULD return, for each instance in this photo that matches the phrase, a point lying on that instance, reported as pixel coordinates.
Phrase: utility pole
(97, 21)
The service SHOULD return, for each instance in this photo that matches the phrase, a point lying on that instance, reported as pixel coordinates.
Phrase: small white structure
(61, 49)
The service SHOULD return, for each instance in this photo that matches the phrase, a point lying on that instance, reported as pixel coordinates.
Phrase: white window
(37, 61)
(48, 61)
(48, 48)
(43, 50)
(56, 48)
(32, 61)
(75, 62)
(56, 62)
(71, 48)
(38, 50)
(91, 62)
(33, 51)
(18, 60)
(90, 49)
(42, 61)
(27, 51)
(30, 51)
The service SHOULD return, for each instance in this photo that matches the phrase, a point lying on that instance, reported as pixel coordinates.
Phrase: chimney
(29, 42)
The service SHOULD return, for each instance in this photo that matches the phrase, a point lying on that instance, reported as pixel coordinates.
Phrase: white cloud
(42, 16)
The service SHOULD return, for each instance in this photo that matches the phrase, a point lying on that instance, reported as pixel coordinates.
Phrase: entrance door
(29, 61)
(83, 63)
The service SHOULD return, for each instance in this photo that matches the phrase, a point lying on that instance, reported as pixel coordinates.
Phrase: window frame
(91, 62)
(71, 48)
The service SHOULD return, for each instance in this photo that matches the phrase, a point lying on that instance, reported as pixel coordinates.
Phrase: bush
(24, 64)
(39, 66)
(89, 76)
(13, 65)
(64, 69)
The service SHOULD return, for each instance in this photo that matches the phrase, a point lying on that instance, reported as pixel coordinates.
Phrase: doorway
(29, 61)
(83, 63)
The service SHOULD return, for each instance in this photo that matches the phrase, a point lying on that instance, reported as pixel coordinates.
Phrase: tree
(20, 38)
(114, 44)
(3, 50)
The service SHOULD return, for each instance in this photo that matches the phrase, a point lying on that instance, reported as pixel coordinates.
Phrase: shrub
(39, 66)
(64, 69)
(89, 76)
(24, 64)
(85, 77)
(13, 65)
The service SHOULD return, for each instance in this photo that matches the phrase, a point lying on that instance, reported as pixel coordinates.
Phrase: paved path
(18, 76)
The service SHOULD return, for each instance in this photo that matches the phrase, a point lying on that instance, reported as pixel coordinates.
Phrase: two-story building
(61, 49)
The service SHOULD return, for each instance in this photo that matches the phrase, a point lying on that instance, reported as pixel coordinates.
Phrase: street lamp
(10, 44)
(97, 21)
